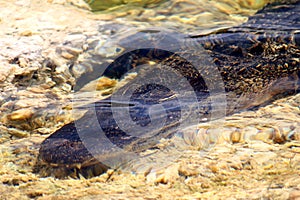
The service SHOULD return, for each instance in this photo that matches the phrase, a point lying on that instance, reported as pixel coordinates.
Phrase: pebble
(294, 195)
(22, 114)
(5, 71)
(18, 133)
(168, 175)
(26, 33)
(105, 83)
(294, 146)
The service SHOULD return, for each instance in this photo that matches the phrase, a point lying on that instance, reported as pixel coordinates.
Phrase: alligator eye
(118, 50)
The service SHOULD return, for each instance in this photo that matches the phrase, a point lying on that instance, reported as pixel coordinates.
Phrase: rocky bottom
(263, 163)
(257, 157)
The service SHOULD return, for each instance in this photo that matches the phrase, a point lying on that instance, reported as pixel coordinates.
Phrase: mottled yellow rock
(263, 136)
(26, 33)
(188, 170)
(67, 55)
(18, 133)
(105, 83)
(235, 137)
(5, 71)
(294, 146)
(168, 175)
(36, 90)
(21, 114)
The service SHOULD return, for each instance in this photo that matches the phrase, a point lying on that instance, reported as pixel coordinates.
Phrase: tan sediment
(240, 166)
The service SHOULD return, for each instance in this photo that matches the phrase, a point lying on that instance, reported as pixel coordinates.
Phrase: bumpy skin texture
(257, 61)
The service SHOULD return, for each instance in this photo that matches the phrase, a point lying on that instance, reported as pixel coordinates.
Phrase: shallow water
(246, 169)
(194, 17)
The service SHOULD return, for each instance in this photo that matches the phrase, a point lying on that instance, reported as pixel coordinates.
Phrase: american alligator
(212, 75)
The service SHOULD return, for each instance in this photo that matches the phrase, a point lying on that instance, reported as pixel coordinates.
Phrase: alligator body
(213, 75)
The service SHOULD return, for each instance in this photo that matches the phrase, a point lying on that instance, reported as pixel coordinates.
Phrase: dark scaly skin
(258, 62)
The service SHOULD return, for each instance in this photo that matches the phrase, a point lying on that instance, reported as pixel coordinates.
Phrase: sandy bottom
(258, 156)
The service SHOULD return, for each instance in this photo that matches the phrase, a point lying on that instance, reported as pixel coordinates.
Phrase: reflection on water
(181, 15)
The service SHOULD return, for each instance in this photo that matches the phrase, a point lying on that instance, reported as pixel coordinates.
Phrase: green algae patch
(98, 5)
